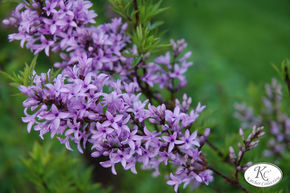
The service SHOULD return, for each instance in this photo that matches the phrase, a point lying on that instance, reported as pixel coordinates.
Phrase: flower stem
(232, 182)
(225, 158)
(135, 3)
(287, 78)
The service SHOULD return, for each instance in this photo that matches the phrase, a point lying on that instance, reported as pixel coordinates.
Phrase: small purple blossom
(189, 141)
(172, 141)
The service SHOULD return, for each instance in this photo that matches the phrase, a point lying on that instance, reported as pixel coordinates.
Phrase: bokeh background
(234, 45)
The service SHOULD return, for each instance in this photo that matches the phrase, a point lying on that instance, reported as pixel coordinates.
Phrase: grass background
(234, 44)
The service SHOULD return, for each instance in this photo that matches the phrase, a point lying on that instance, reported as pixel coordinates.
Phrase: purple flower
(54, 115)
(112, 121)
(174, 181)
(109, 164)
(172, 141)
(173, 117)
(102, 131)
(189, 140)
(206, 176)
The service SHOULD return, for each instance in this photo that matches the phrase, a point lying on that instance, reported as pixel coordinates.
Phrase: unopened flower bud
(242, 134)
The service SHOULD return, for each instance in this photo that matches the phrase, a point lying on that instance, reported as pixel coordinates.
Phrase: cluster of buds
(247, 144)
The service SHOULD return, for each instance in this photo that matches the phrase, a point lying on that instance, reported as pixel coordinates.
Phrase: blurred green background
(234, 44)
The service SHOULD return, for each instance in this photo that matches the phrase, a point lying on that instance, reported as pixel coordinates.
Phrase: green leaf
(24, 77)
(50, 171)
(136, 61)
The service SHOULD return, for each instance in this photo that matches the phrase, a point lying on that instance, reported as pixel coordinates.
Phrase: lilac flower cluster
(272, 115)
(86, 105)
(75, 107)
(63, 26)
(43, 23)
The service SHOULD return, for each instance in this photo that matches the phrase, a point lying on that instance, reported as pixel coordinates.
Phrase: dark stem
(225, 158)
(145, 89)
(173, 91)
(44, 184)
(137, 12)
(238, 164)
(230, 181)
(287, 78)
(215, 148)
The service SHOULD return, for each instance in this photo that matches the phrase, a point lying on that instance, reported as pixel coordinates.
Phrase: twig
(137, 12)
(225, 158)
(287, 78)
(145, 89)
(232, 182)
(238, 164)
(215, 148)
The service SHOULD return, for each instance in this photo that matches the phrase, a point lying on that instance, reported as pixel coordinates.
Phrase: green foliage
(24, 77)
(256, 93)
(144, 29)
(145, 40)
(284, 73)
(58, 173)
(122, 8)
(11, 1)
(147, 10)
(136, 61)
(283, 69)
